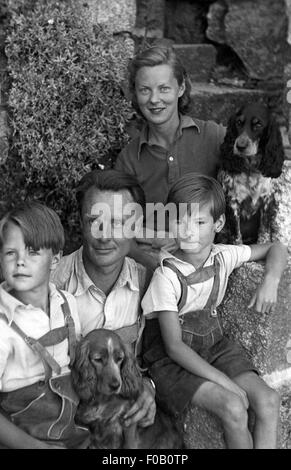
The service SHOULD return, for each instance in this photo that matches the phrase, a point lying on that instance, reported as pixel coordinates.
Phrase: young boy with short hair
(39, 327)
(189, 358)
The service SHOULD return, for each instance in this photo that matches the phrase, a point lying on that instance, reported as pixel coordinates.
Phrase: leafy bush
(68, 113)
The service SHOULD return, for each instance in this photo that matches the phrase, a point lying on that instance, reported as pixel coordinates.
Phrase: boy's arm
(276, 255)
(13, 437)
(183, 355)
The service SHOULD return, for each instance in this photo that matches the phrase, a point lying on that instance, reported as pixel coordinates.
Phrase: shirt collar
(185, 121)
(166, 255)
(9, 304)
(128, 275)
(84, 282)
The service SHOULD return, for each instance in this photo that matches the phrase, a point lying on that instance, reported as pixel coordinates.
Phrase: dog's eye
(97, 359)
(239, 122)
(257, 125)
(119, 359)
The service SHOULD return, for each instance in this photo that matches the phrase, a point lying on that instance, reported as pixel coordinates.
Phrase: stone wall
(250, 39)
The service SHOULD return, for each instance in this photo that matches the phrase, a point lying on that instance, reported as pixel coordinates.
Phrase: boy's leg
(265, 402)
(230, 409)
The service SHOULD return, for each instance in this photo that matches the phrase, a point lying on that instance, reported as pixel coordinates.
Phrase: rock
(198, 60)
(260, 39)
(202, 430)
(219, 102)
(283, 200)
(263, 336)
(150, 18)
(215, 20)
(186, 21)
(288, 11)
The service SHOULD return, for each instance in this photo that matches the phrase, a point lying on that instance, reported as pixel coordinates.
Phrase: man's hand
(143, 411)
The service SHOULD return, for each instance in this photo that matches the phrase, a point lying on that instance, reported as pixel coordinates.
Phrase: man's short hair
(109, 180)
(196, 188)
(40, 226)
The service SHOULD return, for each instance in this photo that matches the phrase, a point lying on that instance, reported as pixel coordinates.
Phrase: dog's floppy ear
(229, 161)
(271, 146)
(83, 373)
(130, 375)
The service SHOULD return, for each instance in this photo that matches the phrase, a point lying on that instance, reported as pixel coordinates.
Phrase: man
(106, 283)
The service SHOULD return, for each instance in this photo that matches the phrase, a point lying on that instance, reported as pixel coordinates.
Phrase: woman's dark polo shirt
(196, 148)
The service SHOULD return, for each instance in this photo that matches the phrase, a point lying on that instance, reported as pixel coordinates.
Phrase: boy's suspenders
(51, 338)
(132, 334)
(202, 274)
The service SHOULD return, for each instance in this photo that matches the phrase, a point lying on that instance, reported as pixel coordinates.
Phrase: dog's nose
(241, 144)
(114, 385)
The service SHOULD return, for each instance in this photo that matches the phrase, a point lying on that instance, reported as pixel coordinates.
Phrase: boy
(188, 357)
(38, 329)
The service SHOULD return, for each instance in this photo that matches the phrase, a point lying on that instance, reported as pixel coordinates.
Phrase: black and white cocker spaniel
(252, 155)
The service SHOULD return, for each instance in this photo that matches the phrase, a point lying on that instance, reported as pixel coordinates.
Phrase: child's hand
(265, 296)
(230, 385)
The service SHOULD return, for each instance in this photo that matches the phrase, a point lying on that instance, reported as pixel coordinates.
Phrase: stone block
(259, 40)
(215, 22)
(198, 59)
(282, 191)
(219, 102)
(263, 336)
(150, 18)
(202, 430)
(285, 417)
(186, 21)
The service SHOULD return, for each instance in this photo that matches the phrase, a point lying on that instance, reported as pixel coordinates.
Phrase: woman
(169, 145)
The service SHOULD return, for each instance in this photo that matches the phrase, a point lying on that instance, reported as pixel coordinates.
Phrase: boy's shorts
(176, 386)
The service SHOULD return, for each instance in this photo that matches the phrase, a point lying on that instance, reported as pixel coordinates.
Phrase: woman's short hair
(41, 226)
(160, 55)
(109, 180)
(196, 188)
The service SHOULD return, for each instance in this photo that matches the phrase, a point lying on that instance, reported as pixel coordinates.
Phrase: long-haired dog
(108, 381)
(252, 155)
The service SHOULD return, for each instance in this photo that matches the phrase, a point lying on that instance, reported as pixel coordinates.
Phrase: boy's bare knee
(268, 403)
(233, 413)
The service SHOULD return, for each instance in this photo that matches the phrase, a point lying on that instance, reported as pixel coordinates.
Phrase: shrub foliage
(68, 112)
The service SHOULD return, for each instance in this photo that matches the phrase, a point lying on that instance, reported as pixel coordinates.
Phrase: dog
(108, 380)
(252, 156)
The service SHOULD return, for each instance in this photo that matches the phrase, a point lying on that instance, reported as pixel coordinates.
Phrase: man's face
(104, 219)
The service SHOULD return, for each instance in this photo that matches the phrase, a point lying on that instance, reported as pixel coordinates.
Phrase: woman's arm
(183, 355)
(276, 255)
